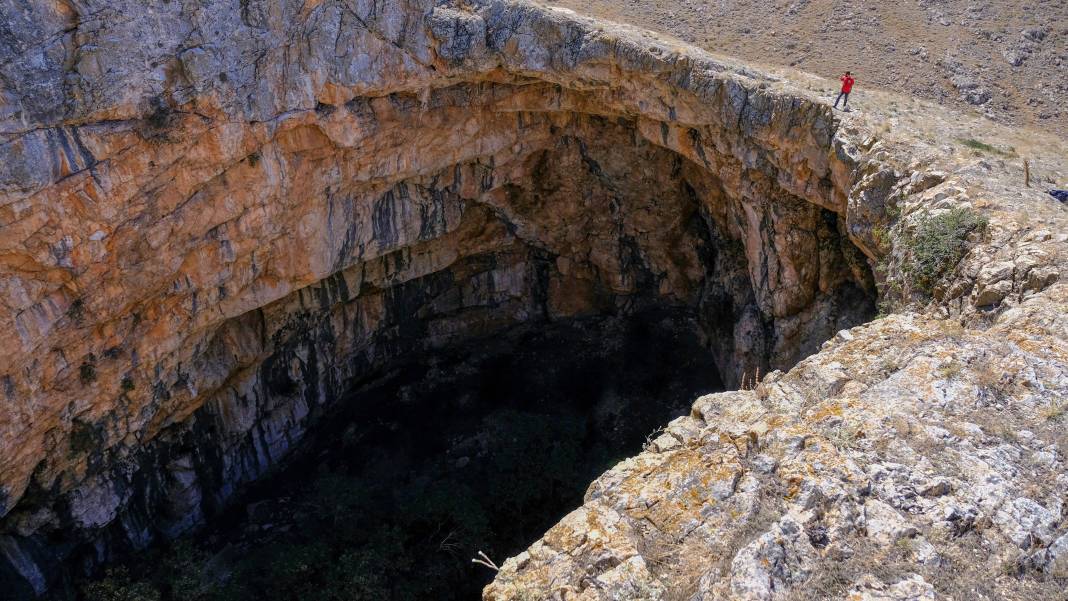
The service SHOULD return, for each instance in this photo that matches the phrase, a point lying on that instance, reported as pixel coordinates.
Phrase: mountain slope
(1006, 59)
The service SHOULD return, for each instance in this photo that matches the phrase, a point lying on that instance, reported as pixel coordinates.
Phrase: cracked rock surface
(862, 473)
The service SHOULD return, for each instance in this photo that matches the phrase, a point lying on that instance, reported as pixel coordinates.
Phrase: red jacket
(847, 83)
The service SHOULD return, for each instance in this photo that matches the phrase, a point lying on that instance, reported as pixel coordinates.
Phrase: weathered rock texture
(218, 216)
(863, 472)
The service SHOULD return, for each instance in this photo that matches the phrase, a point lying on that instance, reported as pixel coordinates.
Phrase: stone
(229, 229)
(777, 560)
(993, 294)
(913, 588)
(1057, 557)
(937, 489)
(884, 524)
(1024, 521)
(23, 564)
(1040, 278)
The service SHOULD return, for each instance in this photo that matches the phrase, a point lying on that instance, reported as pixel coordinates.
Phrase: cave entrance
(496, 335)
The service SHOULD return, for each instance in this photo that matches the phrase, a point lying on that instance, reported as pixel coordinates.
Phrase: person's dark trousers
(840, 96)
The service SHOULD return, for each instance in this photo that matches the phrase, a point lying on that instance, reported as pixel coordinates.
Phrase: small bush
(83, 437)
(977, 145)
(118, 586)
(938, 244)
(158, 118)
(846, 436)
(984, 147)
(87, 373)
(180, 572)
(156, 125)
(76, 311)
(127, 384)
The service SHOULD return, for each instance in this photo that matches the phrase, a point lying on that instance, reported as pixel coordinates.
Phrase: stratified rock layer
(217, 217)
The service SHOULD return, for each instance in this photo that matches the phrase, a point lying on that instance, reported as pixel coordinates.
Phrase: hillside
(1007, 60)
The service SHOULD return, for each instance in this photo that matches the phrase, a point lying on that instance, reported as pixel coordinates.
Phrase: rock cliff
(218, 217)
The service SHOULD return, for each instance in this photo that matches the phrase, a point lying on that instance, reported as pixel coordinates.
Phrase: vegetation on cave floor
(396, 507)
(352, 536)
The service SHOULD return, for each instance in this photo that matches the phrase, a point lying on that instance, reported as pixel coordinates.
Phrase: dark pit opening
(494, 335)
(479, 448)
(438, 455)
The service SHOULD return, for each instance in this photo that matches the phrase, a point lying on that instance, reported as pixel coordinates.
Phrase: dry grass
(967, 571)
(950, 370)
(972, 570)
(679, 564)
(846, 435)
(1055, 411)
(836, 575)
(994, 384)
(683, 563)
(791, 34)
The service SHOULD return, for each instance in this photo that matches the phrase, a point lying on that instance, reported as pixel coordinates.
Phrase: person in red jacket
(847, 87)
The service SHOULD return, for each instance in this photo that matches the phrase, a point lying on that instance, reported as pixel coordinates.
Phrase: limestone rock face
(215, 218)
(879, 480)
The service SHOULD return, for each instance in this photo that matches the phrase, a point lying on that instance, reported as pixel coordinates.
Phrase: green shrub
(361, 536)
(984, 147)
(118, 586)
(938, 243)
(297, 570)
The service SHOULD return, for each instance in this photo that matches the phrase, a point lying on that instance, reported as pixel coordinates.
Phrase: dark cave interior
(479, 448)
(525, 325)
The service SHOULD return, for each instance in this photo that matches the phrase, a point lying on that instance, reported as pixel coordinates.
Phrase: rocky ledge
(220, 218)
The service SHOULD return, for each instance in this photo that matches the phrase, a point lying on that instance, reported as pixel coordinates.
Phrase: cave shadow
(482, 447)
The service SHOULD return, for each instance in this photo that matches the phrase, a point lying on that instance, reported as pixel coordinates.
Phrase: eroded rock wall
(215, 216)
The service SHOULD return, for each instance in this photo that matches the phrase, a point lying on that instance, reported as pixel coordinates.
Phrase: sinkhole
(495, 332)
